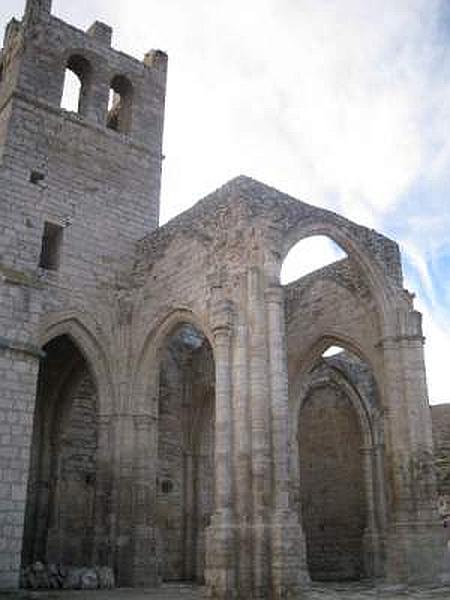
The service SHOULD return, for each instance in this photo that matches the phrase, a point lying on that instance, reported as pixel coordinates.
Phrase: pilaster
(220, 569)
(415, 545)
(288, 550)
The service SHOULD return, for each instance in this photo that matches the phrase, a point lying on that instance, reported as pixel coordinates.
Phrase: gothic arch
(147, 365)
(368, 414)
(306, 359)
(70, 324)
(383, 291)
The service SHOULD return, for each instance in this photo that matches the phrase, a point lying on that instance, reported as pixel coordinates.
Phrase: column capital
(221, 313)
(222, 333)
(274, 294)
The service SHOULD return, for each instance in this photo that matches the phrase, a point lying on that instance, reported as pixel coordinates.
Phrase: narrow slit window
(51, 246)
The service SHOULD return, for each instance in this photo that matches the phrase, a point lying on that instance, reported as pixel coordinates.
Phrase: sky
(344, 104)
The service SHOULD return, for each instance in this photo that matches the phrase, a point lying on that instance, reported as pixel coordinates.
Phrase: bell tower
(78, 189)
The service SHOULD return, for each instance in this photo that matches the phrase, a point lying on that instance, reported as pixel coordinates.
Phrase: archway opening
(337, 499)
(59, 520)
(77, 79)
(309, 255)
(185, 471)
(120, 104)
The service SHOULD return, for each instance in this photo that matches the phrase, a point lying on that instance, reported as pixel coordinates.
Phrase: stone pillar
(372, 542)
(242, 448)
(415, 542)
(189, 496)
(103, 554)
(144, 547)
(288, 569)
(220, 568)
(260, 417)
(123, 498)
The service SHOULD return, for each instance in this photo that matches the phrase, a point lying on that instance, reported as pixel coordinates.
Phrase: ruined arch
(145, 377)
(80, 329)
(307, 256)
(337, 419)
(60, 511)
(383, 291)
(176, 377)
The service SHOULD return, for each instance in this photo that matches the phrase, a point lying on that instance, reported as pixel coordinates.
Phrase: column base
(374, 554)
(289, 569)
(220, 563)
(256, 561)
(416, 553)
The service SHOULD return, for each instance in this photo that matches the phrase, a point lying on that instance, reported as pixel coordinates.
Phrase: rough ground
(189, 592)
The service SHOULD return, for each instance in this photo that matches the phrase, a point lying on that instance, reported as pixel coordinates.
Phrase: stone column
(103, 554)
(145, 563)
(415, 541)
(242, 447)
(189, 496)
(260, 417)
(123, 497)
(221, 548)
(289, 570)
(372, 549)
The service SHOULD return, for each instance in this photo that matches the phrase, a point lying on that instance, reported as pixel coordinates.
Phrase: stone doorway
(60, 512)
(185, 471)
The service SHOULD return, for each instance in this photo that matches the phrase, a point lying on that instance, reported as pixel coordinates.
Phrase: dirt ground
(190, 592)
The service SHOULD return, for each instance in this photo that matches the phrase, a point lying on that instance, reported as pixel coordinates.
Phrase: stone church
(168, 409)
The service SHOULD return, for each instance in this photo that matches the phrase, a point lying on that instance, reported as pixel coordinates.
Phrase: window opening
(76, 85)
(309, 255)
(332, 351)
(51, 246)
(120, 103)
(36, 177)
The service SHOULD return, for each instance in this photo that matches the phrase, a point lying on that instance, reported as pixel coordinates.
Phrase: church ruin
(167, 408)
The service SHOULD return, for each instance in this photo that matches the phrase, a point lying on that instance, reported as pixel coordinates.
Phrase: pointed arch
(81, 332)
(147, 364)
(382, 289)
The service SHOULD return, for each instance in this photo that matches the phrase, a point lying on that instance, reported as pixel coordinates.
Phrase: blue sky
(344, 104)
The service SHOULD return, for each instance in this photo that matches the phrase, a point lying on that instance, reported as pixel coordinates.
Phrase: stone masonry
(166, 409)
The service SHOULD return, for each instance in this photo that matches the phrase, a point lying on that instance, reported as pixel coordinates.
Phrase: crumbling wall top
(243, 204)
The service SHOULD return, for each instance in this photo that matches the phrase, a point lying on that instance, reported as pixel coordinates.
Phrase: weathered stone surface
(155, 380)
